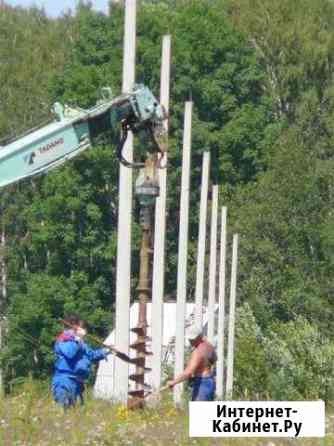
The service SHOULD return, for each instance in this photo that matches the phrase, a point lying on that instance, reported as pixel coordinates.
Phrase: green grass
(29, 417)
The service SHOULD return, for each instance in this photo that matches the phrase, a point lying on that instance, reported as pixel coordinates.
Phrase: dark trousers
(203, 388)
(67, 390)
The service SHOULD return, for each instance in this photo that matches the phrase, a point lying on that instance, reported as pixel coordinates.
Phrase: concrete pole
(183, 253)
(231, 318)
(221, 308)
(123, 275)
(160, 230)
(213, 264)
(201, 240)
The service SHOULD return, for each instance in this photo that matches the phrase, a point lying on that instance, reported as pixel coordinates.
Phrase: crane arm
(75, 130)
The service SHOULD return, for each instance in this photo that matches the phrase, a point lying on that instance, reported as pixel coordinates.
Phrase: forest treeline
(260, 73)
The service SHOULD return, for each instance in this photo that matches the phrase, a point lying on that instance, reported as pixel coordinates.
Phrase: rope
(99, 341)
(34, 341)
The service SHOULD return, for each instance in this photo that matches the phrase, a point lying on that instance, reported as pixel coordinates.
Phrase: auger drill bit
(140, 345)
(147, 189)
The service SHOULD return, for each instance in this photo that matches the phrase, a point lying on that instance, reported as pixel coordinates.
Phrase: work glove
(107, 352)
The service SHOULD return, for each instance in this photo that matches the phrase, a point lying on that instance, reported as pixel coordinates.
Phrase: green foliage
(95, 59)
(35, 316)
(301, 360)
(293, 41)
(260, 74)
(285, 268)
(290, 361)
(31, 417)
(250, 362)
(32, 49)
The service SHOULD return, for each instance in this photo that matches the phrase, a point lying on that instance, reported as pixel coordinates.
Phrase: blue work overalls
(72, 367)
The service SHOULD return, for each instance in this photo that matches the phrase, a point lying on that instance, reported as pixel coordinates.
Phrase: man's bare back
(204, 357)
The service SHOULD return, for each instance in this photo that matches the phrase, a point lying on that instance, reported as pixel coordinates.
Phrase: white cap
(194, 332)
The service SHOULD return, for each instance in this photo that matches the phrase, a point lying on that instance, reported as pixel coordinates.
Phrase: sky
(55, 8)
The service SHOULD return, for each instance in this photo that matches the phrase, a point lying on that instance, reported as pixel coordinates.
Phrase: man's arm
(189, 371)
(94, 355)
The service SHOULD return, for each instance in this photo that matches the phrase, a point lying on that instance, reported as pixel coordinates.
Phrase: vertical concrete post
(213, 264)
(158, 284)
(183, 253)
(221, 308)
(201, 240)
(231, 320)
(123, 275)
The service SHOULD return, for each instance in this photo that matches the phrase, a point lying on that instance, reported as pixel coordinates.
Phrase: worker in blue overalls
(73, 362)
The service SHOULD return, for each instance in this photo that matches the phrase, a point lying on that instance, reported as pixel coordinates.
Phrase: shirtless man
(199, 368)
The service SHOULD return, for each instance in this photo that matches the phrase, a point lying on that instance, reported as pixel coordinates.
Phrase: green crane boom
(76, 130)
